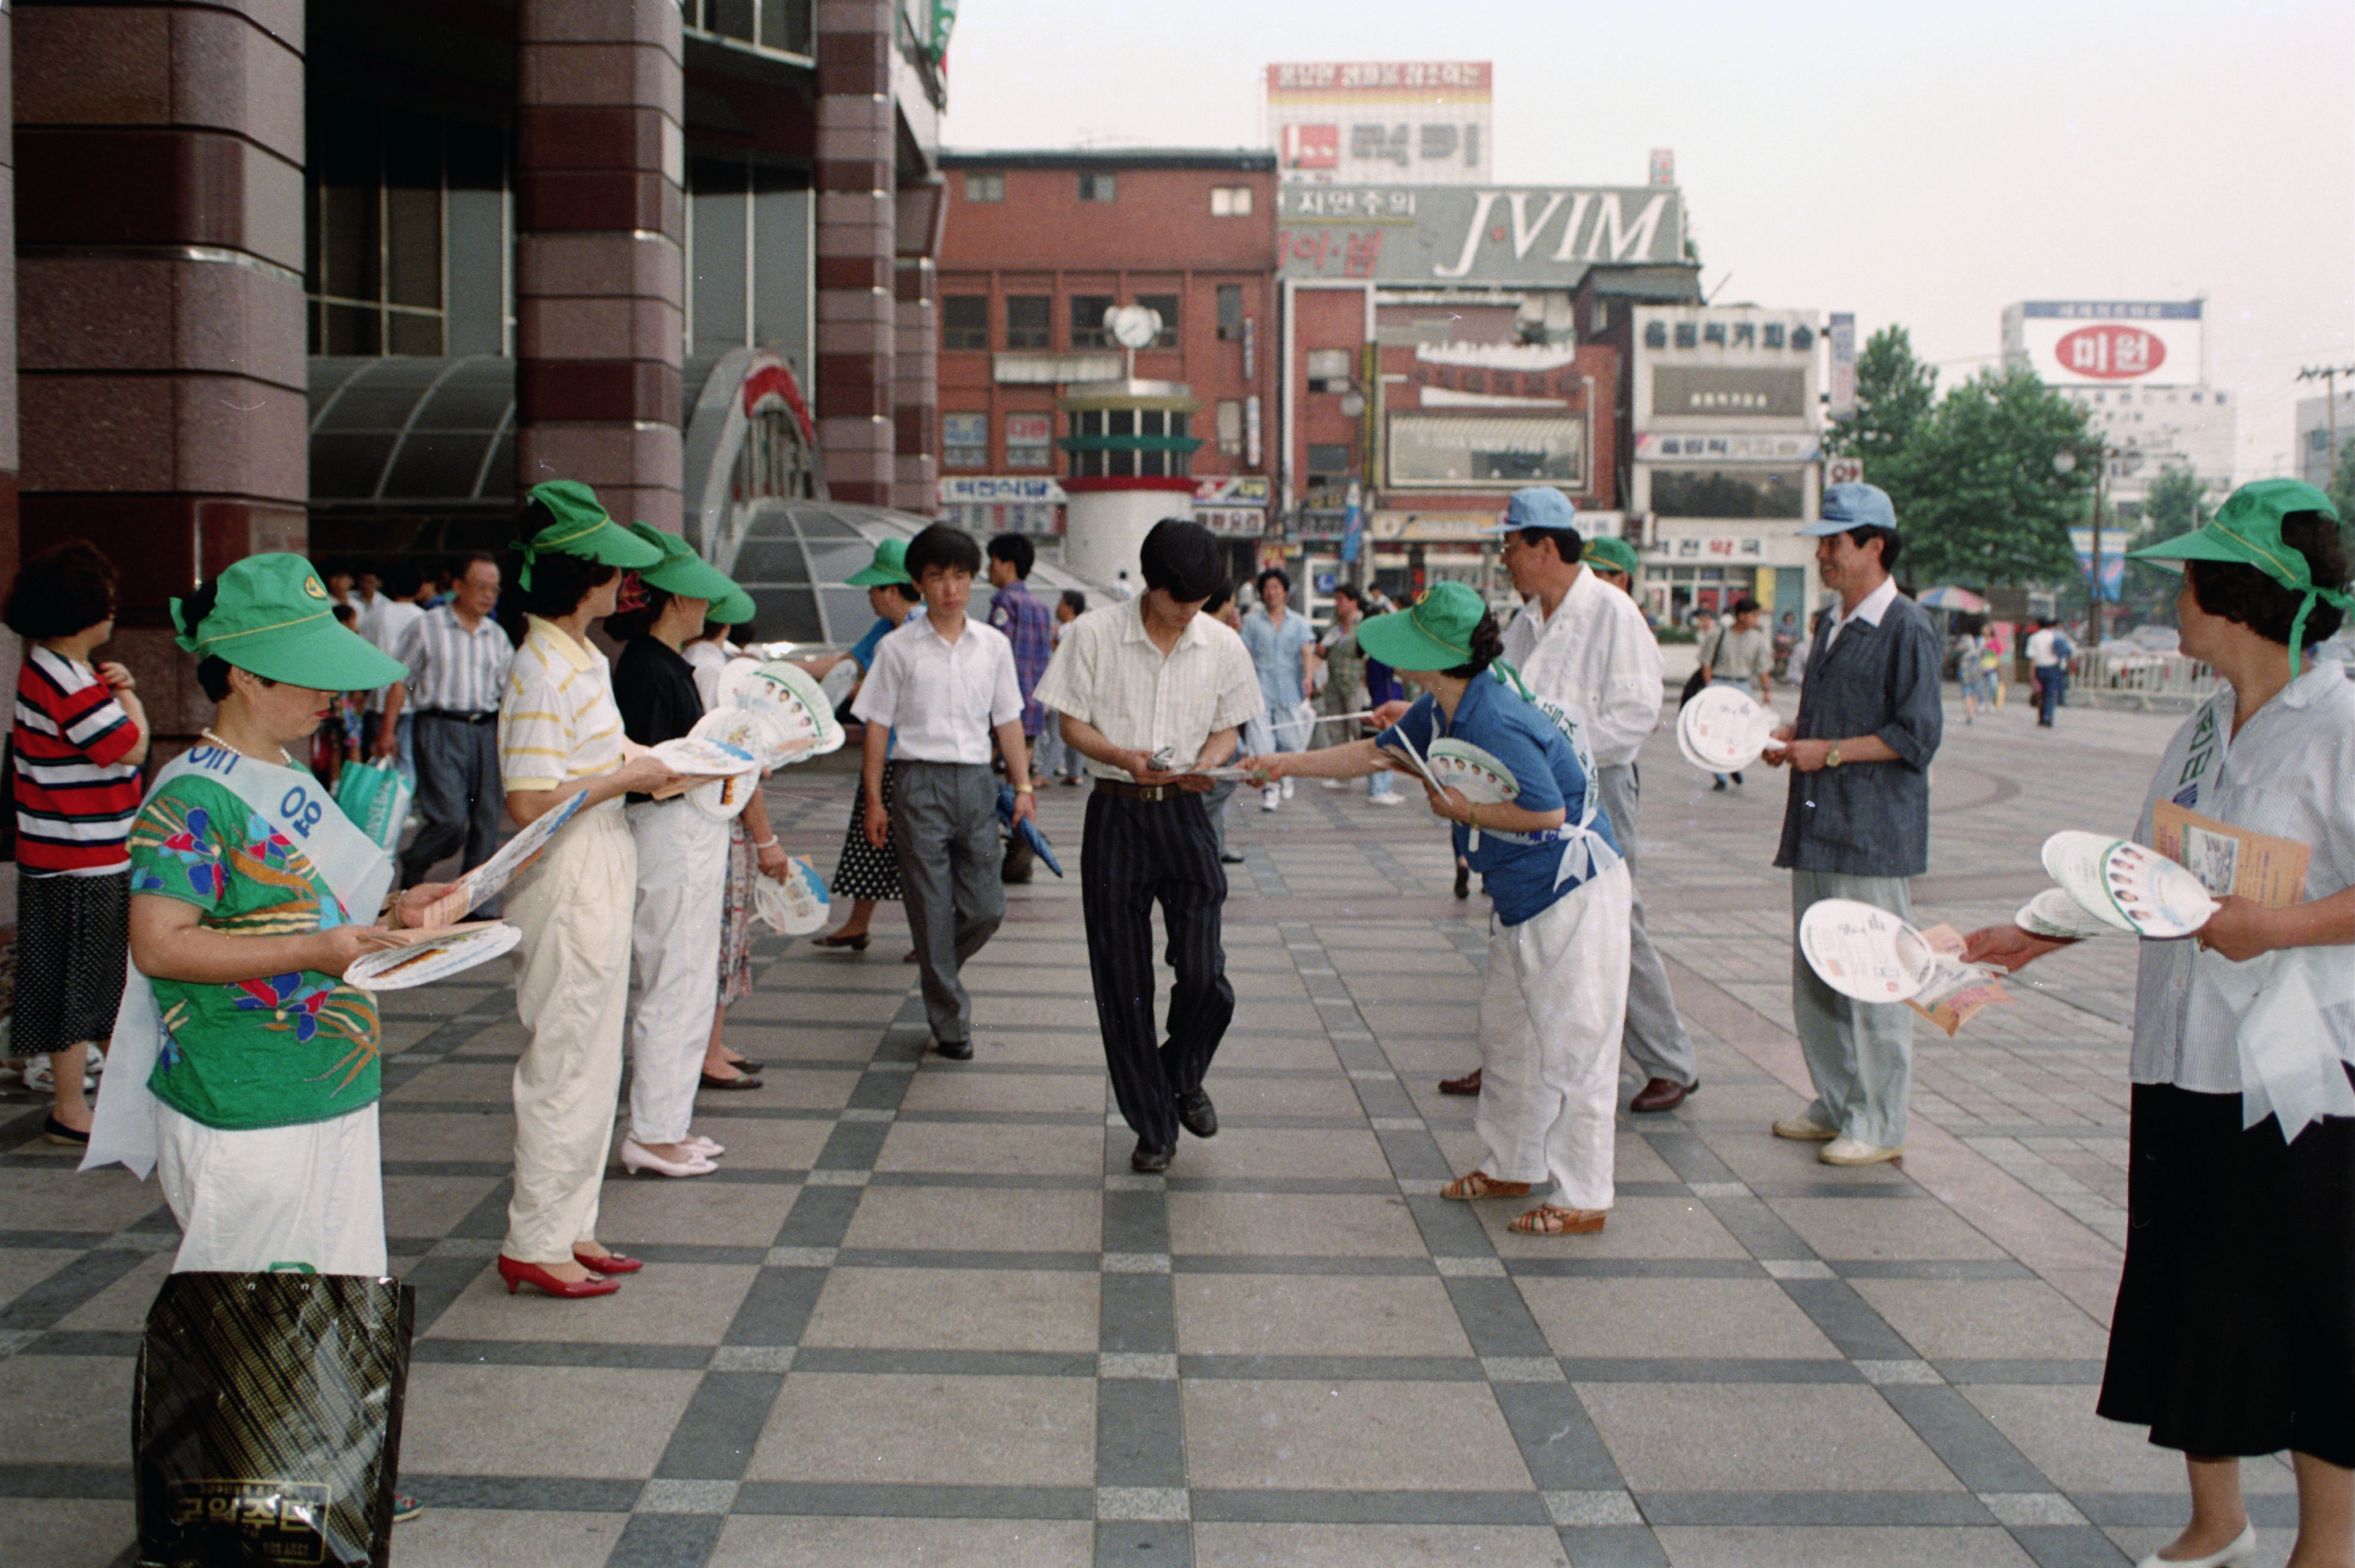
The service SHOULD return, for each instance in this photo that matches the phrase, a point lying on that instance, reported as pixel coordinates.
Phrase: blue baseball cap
(1848, 506)
(1539, 506)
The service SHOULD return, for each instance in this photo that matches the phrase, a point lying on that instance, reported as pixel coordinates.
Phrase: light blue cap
(1539, 506)
(1852, 505)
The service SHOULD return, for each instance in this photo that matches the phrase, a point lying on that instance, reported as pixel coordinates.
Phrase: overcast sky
(1917, 163)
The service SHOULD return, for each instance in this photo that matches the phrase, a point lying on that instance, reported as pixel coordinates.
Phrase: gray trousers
(1654, 1036)
(944, 825)
(459, 794)
(1860, 1054)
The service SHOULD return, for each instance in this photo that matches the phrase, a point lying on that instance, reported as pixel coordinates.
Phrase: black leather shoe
(1151, 1158)
(1197, 1115)
(1463, 882)
(954, 1050)
(1229, 857)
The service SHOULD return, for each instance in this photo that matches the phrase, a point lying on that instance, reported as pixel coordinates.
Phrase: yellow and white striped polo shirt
(558, 723)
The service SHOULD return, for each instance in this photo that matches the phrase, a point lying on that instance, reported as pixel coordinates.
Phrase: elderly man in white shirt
(942, 685)
(1584, 644)
(1150, 691)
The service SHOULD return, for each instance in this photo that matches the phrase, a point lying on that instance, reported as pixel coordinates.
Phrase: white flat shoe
(1856, 1151)
(1805, 1128)
(637, 1157)
(2236, 1552)
(704, 1146)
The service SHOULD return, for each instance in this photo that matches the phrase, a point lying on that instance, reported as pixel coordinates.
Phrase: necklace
(207, 733)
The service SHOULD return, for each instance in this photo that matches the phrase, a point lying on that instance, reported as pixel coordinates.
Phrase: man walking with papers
(1857, 821)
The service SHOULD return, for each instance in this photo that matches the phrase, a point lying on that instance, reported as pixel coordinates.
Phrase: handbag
(377, 799)
(1698, 680)
(266, 1416)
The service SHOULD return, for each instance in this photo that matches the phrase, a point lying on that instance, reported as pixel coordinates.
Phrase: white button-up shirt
(1596, 657)
(1107, 673)
(1868, 610)
(940, 699)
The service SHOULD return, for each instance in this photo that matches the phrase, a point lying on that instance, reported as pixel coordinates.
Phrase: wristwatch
(1831, 757)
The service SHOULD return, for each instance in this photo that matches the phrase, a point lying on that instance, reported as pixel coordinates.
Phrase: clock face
(1133, 326)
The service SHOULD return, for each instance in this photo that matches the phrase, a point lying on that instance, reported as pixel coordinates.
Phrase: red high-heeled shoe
(517, 1274)
(606, 1263)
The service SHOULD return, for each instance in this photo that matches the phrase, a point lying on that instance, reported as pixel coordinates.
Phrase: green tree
(2342, 483)
(1986, 506)
(2176, 502)
(1896, 394)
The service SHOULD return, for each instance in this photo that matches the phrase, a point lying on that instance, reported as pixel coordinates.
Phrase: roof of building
(1259, 160)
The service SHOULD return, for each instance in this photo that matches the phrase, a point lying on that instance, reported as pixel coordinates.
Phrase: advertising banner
(2107, 343)
(2114, 558)
(1453, 234)
(1381, 121)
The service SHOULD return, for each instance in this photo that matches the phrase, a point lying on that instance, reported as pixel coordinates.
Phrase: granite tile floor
(925, 1314)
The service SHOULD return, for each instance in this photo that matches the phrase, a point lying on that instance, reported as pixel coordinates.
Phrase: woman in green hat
(246, 1071)
(865, 875)
(1557, 986)
(682, 864)
(2235, 1330)
(560, 735)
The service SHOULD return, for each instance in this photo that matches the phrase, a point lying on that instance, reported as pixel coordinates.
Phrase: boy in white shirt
(941, 686)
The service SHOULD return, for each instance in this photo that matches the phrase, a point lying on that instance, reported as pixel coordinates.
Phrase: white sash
(354, 869)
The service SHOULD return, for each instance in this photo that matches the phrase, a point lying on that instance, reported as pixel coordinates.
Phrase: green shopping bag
(376, 799)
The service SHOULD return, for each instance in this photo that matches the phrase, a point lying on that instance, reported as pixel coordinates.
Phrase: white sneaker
(1269, 798)
(1387, 799)
(38, 1076)
(1330, 783)
(1805, 1128)
(1287, 789)
(1845, 1150)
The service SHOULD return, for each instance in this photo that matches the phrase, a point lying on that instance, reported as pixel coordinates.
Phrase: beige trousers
(572, 985)
(256, 1198)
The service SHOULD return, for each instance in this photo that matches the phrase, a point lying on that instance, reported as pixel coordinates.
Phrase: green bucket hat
(582, 528)
(683, 572)
(1433, 633)
(2246, 530)
(1612, 554)
(271, 615)
(733, 608)
(889, 565)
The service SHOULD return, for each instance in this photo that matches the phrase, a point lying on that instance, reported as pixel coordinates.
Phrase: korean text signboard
(1457, 234)
(2107, 343)
(1381, 121)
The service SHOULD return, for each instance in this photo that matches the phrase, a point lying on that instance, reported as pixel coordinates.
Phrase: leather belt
(1128, 791)
(458, 718)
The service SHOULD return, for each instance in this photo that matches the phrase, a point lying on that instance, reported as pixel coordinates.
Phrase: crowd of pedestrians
(247, 1066)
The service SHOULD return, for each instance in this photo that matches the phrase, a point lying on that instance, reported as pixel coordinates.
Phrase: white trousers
(1550, 1021)
(673, 942)
(572, 985)
(251, 1200)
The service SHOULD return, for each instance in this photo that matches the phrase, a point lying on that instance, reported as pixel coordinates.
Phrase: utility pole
(2328, 376)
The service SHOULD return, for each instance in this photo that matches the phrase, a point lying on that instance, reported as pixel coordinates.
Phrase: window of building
(965, 321)
(1087, 321)
(1029, 440)
(1656, 335)
(1328, 369)
(1096, 186)
(1029, 321)
(964, 440)
(1601, 315)
(1097, 460)
(1485, 450)
(1230, 427)
(1687, 337)
(1230, 201)
(984, 187)
(1231, 311)
(1727, 491)
(1166, 305)
(1329, 464)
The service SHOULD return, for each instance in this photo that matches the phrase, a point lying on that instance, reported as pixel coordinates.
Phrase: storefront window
(1727, 491)
(1487, 451)
(964, 440)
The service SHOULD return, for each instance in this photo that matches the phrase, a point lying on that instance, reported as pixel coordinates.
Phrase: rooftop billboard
(1344, 121)
(2107, 343)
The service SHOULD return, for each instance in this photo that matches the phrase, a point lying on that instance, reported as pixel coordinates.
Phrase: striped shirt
(451, 669)
(384, 626)
(558, 725)
(75, 794)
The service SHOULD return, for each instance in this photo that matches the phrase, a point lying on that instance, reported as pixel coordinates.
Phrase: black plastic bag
(266, 1420)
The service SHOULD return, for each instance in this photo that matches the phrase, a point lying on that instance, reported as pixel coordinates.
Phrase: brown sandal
(1480, 1184)
(1545, 1220)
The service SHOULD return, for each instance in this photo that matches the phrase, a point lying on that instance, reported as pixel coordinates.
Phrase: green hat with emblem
(581, 528)
(1433, 633)
(1612, 555)
(889, 565)
(2247, 530)
(271, 615)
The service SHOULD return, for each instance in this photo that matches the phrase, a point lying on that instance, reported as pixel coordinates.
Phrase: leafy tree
(2176, 502)
(2342, 483)
(1895, 396)
(1985, 505)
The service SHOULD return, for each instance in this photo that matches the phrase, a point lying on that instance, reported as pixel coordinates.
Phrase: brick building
(1038, 246)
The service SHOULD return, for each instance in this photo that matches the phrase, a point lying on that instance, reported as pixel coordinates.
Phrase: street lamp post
(2065, 461)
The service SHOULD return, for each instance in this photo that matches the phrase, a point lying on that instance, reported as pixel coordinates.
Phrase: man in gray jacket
(1857, 821)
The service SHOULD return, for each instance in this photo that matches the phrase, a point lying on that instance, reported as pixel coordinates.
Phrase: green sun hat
(271, 615)
(1612, 555)
(2246, 530)
(733, 608)
(1433, 633)
(581, 528)
(889, 565)
(682, 572)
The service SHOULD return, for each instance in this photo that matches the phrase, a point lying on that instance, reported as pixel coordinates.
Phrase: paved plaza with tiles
(924, 1314)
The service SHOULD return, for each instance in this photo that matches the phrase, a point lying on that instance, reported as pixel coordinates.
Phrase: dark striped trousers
(1137, 853)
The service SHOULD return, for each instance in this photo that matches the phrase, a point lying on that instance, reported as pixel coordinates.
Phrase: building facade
(346, 277)
(2323, 424)
(2138, 369)
(1038, 247)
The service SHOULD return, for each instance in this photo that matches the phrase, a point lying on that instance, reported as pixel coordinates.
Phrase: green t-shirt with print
(277, 1050)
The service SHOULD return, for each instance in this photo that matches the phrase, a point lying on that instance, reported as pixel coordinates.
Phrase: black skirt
(864, 871)
(2234, 1332)
(73, 939)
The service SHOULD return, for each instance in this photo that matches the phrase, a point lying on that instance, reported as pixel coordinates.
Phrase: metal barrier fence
(2148, 681)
